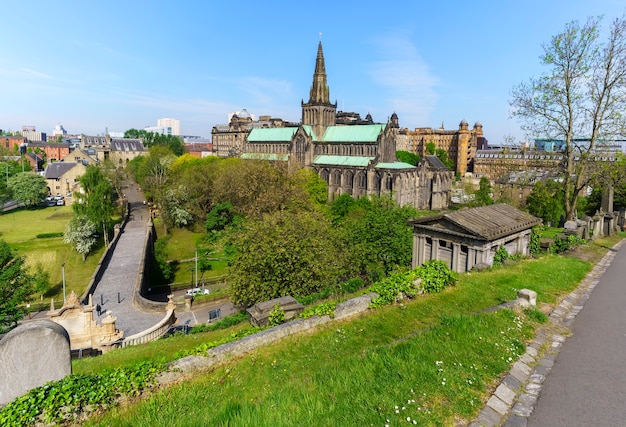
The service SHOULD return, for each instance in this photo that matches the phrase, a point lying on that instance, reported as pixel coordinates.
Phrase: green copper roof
(271, 134)
(395, 165)
(265, 156)
(309, 131)
(342, 160)
(360, 133)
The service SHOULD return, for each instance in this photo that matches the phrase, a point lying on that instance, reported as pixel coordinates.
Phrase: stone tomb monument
(260, 312)
(31, 355)
(84, 331)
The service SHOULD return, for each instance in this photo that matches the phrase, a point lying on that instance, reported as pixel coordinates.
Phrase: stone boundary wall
(247, 344)
(140, 285)
(153, 333)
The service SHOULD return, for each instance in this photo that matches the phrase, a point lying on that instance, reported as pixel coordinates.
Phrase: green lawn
(431, 361)
(20, 228)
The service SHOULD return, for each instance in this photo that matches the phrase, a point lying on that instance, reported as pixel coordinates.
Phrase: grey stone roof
(58, 169)
(434, 162)
(483, 223)
(126, 144)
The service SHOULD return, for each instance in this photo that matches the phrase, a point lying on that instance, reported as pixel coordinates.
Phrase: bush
(277, 316)
(226, 322)
(562, 243)
(436, 276)
(500, 256)
(396, 287)
(49, 235)
(325, 308)
(352, 285)
(534, 246)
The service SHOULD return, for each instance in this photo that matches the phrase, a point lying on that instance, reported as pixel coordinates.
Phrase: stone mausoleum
(469, 237)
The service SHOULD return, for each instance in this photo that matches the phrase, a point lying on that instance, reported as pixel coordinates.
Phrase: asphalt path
(114, 292)
(587, 384)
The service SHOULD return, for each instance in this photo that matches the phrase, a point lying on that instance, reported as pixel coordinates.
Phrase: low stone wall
(31, 355)
(237, 348)
(153, 333)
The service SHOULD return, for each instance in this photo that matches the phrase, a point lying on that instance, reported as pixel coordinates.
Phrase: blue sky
(116, 65)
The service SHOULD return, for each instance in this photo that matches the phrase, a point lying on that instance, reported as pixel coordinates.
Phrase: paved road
(114, 291)
(587, 385)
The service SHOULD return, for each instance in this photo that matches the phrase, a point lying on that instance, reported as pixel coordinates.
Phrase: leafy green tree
(28, 188)
(151, 139)
(430, 148)
(173, 210)
(16, 287)
(153, 174)
(443, 156)
(579, 99)
(408, 157)
(81, 234)
(5, 192)
(198, 176)
(482, 196)
(285, 253)
(545, 202)
(95, 200)
(378, 235)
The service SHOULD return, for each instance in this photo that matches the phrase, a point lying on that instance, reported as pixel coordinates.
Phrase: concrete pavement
(575, 381)
(587, 384)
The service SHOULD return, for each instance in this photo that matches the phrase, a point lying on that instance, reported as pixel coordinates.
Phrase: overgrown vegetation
(70, 399)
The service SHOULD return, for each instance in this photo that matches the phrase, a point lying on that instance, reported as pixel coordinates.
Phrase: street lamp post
(63, 275)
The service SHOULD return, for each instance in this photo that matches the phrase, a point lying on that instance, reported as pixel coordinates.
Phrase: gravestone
(31, 355)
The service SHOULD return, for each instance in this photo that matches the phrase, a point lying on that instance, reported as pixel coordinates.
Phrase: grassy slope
(357, 372)
(19, 228)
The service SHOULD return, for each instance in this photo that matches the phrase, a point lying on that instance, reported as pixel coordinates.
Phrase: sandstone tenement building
(460, 144)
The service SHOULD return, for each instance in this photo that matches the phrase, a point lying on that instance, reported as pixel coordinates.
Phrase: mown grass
(20, 228)
(431, 361)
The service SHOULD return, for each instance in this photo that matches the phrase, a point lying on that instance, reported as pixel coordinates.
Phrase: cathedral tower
(319, 112)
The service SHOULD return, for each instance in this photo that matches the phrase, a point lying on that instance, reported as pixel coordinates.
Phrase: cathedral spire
(320, 94)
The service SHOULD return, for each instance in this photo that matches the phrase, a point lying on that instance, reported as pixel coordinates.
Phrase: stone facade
(460, 145)
(229, 140)
(496, 163)
(470, 237)
(358, 159)
(84, 331)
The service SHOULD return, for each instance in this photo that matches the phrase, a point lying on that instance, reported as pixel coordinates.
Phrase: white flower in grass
(439, 362)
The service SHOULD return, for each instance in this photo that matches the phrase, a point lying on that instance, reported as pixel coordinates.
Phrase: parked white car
(198, 291)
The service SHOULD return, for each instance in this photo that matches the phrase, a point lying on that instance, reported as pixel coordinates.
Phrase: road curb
(515, 398)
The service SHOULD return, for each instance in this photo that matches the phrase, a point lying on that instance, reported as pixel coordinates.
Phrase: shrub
(436, 276)
(49, 235)
(396, 287)
(534, 246)
(325, 308)
(352, 285)
(500, 256)
(276, 316)
(226, 322)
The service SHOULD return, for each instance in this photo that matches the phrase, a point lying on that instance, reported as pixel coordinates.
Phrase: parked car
(198, 291)
(60, 202)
